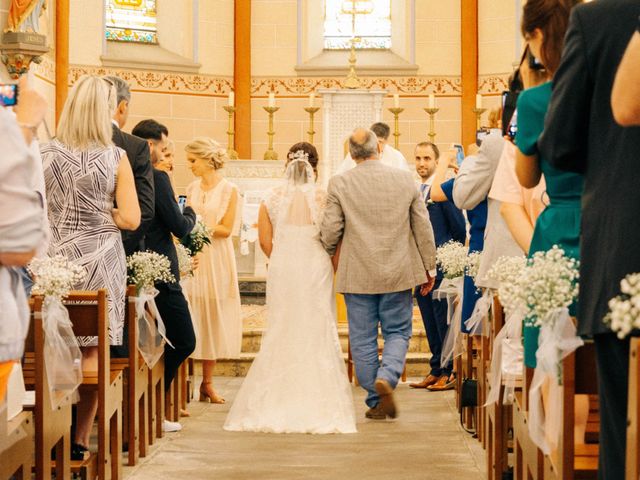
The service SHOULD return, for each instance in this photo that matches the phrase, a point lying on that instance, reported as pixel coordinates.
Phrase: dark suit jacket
(581, 135)
(168, 221)
(138, 153)
(447, 222)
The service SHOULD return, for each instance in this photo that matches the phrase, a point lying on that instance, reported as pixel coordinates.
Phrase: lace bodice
(303, 206)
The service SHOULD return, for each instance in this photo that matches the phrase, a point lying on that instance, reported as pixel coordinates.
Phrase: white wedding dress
(298, 381)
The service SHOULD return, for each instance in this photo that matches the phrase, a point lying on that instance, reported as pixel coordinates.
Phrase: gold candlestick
(479, 112)
(396, 115)
(432, 124)
(311, 111)
(270, 154)
(233, 155)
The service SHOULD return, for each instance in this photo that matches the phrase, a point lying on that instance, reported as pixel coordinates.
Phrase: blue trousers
(434, 317)
(394, 313)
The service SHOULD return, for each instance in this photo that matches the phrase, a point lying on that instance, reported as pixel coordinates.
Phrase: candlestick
(396, 133)
(311, 111)
(396, 100)
(432, 124)
(432, 100)
(232, 99)
(478, 101)
(233, 155)
(312, 100)
(272, 100)
(270, 154)
(479, 112)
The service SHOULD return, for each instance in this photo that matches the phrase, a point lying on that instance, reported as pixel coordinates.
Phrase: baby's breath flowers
(55, 276)
(473, 265)
(452, 259)
(145, 269)
(505, 271)
(624, 310)
(198, 238)
(184, 260)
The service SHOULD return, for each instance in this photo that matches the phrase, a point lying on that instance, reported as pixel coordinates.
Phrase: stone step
(417, 365)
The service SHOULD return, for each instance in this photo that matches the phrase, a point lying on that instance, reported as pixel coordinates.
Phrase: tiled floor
(425, 442)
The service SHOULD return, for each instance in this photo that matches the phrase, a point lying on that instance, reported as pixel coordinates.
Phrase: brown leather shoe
(428, 381)
(443, 383)
(386, 397)
(376, 413)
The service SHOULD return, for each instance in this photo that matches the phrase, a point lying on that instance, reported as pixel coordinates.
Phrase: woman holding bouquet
(213, 291)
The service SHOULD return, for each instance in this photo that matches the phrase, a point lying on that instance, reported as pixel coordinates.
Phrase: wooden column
(469, 29)
(62, 54)
(242, 77)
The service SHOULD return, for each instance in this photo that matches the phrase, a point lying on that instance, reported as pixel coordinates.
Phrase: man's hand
(427, 287)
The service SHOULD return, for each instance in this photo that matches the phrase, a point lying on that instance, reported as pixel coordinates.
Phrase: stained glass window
(372, 24)
(131, 21)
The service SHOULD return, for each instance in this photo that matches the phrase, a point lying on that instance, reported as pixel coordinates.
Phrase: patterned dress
(80, 194)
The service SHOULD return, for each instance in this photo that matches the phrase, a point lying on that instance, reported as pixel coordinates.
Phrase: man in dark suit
(448, 224)
(138, 154)
(168, 221)
(581, 135)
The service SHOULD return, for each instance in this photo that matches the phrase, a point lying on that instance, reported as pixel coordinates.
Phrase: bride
(298, 382)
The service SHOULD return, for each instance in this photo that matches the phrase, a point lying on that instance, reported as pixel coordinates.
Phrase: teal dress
(559, 223)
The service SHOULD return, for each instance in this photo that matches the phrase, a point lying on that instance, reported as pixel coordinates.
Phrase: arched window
(131, 21)
(372, 24)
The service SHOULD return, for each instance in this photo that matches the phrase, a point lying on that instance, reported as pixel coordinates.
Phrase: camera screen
(8, 95)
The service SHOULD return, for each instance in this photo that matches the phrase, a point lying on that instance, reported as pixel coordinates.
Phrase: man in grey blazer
(378, 225)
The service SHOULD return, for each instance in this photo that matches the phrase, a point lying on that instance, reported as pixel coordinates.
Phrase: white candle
(478, 101)
(272, 100)
(232, 99)
(432, 100)
(396, 100)
(312, 100)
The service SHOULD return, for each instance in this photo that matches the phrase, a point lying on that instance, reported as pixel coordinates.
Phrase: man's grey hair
(381, 129)
(365, 147)
(122, 88)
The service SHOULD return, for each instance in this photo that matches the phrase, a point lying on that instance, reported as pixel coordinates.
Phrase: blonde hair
(495, 115)
(208, 149)
(85, 121)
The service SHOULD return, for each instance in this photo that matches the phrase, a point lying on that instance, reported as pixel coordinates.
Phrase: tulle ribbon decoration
(450, 289)
(506, 360)
(63, 358)
(557, 340)
(474, 323)
(152, 333)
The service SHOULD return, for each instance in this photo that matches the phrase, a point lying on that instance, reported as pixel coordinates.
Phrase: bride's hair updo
(307, 148)
(208, 149)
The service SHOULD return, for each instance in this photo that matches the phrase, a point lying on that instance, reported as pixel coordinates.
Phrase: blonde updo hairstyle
(208, 149)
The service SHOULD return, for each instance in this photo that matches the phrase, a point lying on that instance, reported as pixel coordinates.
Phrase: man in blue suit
(448, 224)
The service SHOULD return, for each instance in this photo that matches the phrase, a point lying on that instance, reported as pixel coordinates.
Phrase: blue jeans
(434, 317)
(394, 313)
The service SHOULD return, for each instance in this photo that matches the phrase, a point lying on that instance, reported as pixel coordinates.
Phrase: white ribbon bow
(480, 311)
(149, 318)
(450, 289)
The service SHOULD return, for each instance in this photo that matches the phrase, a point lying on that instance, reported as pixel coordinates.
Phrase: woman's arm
(225, 227)
(127, 215)
(518, 223)
(265, 231)
(527, 169)
(437, 194)
(16, 259)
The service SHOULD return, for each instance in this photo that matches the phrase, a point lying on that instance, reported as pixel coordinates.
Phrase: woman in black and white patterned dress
(84, 173)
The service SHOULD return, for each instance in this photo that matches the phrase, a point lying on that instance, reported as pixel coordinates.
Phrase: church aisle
(425, 442)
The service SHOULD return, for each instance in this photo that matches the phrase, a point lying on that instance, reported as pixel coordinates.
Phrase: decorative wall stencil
(497, 83)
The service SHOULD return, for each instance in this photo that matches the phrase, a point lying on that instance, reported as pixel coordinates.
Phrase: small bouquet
(185, 262)
(145, 269)
(198, 238)
(473, 265)
(549, 283)
(506, 271)
(55, 276)
(452, 258)
(624, 310)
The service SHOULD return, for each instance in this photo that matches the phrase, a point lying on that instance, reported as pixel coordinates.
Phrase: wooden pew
(633, 415)
(528, 458)
(575, 461)
(88, 314)
(17, 436)
(156, 401)
(465, 367)
(52, 426)
(136, 386)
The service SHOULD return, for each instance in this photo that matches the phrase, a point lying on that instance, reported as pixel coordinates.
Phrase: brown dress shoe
(386, 397)
(376, 413)
(443, 383)
(428, 380)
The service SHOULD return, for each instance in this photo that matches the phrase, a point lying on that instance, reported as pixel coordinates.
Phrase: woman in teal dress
(544, 26)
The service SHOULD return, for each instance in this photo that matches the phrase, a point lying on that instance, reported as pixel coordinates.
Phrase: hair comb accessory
(299, 155)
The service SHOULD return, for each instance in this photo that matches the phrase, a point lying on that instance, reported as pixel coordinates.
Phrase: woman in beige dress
(213, 291)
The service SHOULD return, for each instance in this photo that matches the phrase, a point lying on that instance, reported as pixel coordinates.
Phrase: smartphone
(534, 63)
(182, 201)
(8, 94)
(513, 126)
(459, 153)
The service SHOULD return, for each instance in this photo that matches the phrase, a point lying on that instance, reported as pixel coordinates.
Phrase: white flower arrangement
(185, 264)
(145, 269)
(506, 271)
(452, 258)
(473, 265)
(198, 238)
(547, 284)
(624, 310)
(55, 276)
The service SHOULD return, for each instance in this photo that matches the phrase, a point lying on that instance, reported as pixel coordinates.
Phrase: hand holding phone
(459, 153)
(31, 107)
(8, 94)
(182, 202)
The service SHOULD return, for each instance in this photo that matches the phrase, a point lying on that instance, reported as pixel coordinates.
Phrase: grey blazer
(387, 239)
